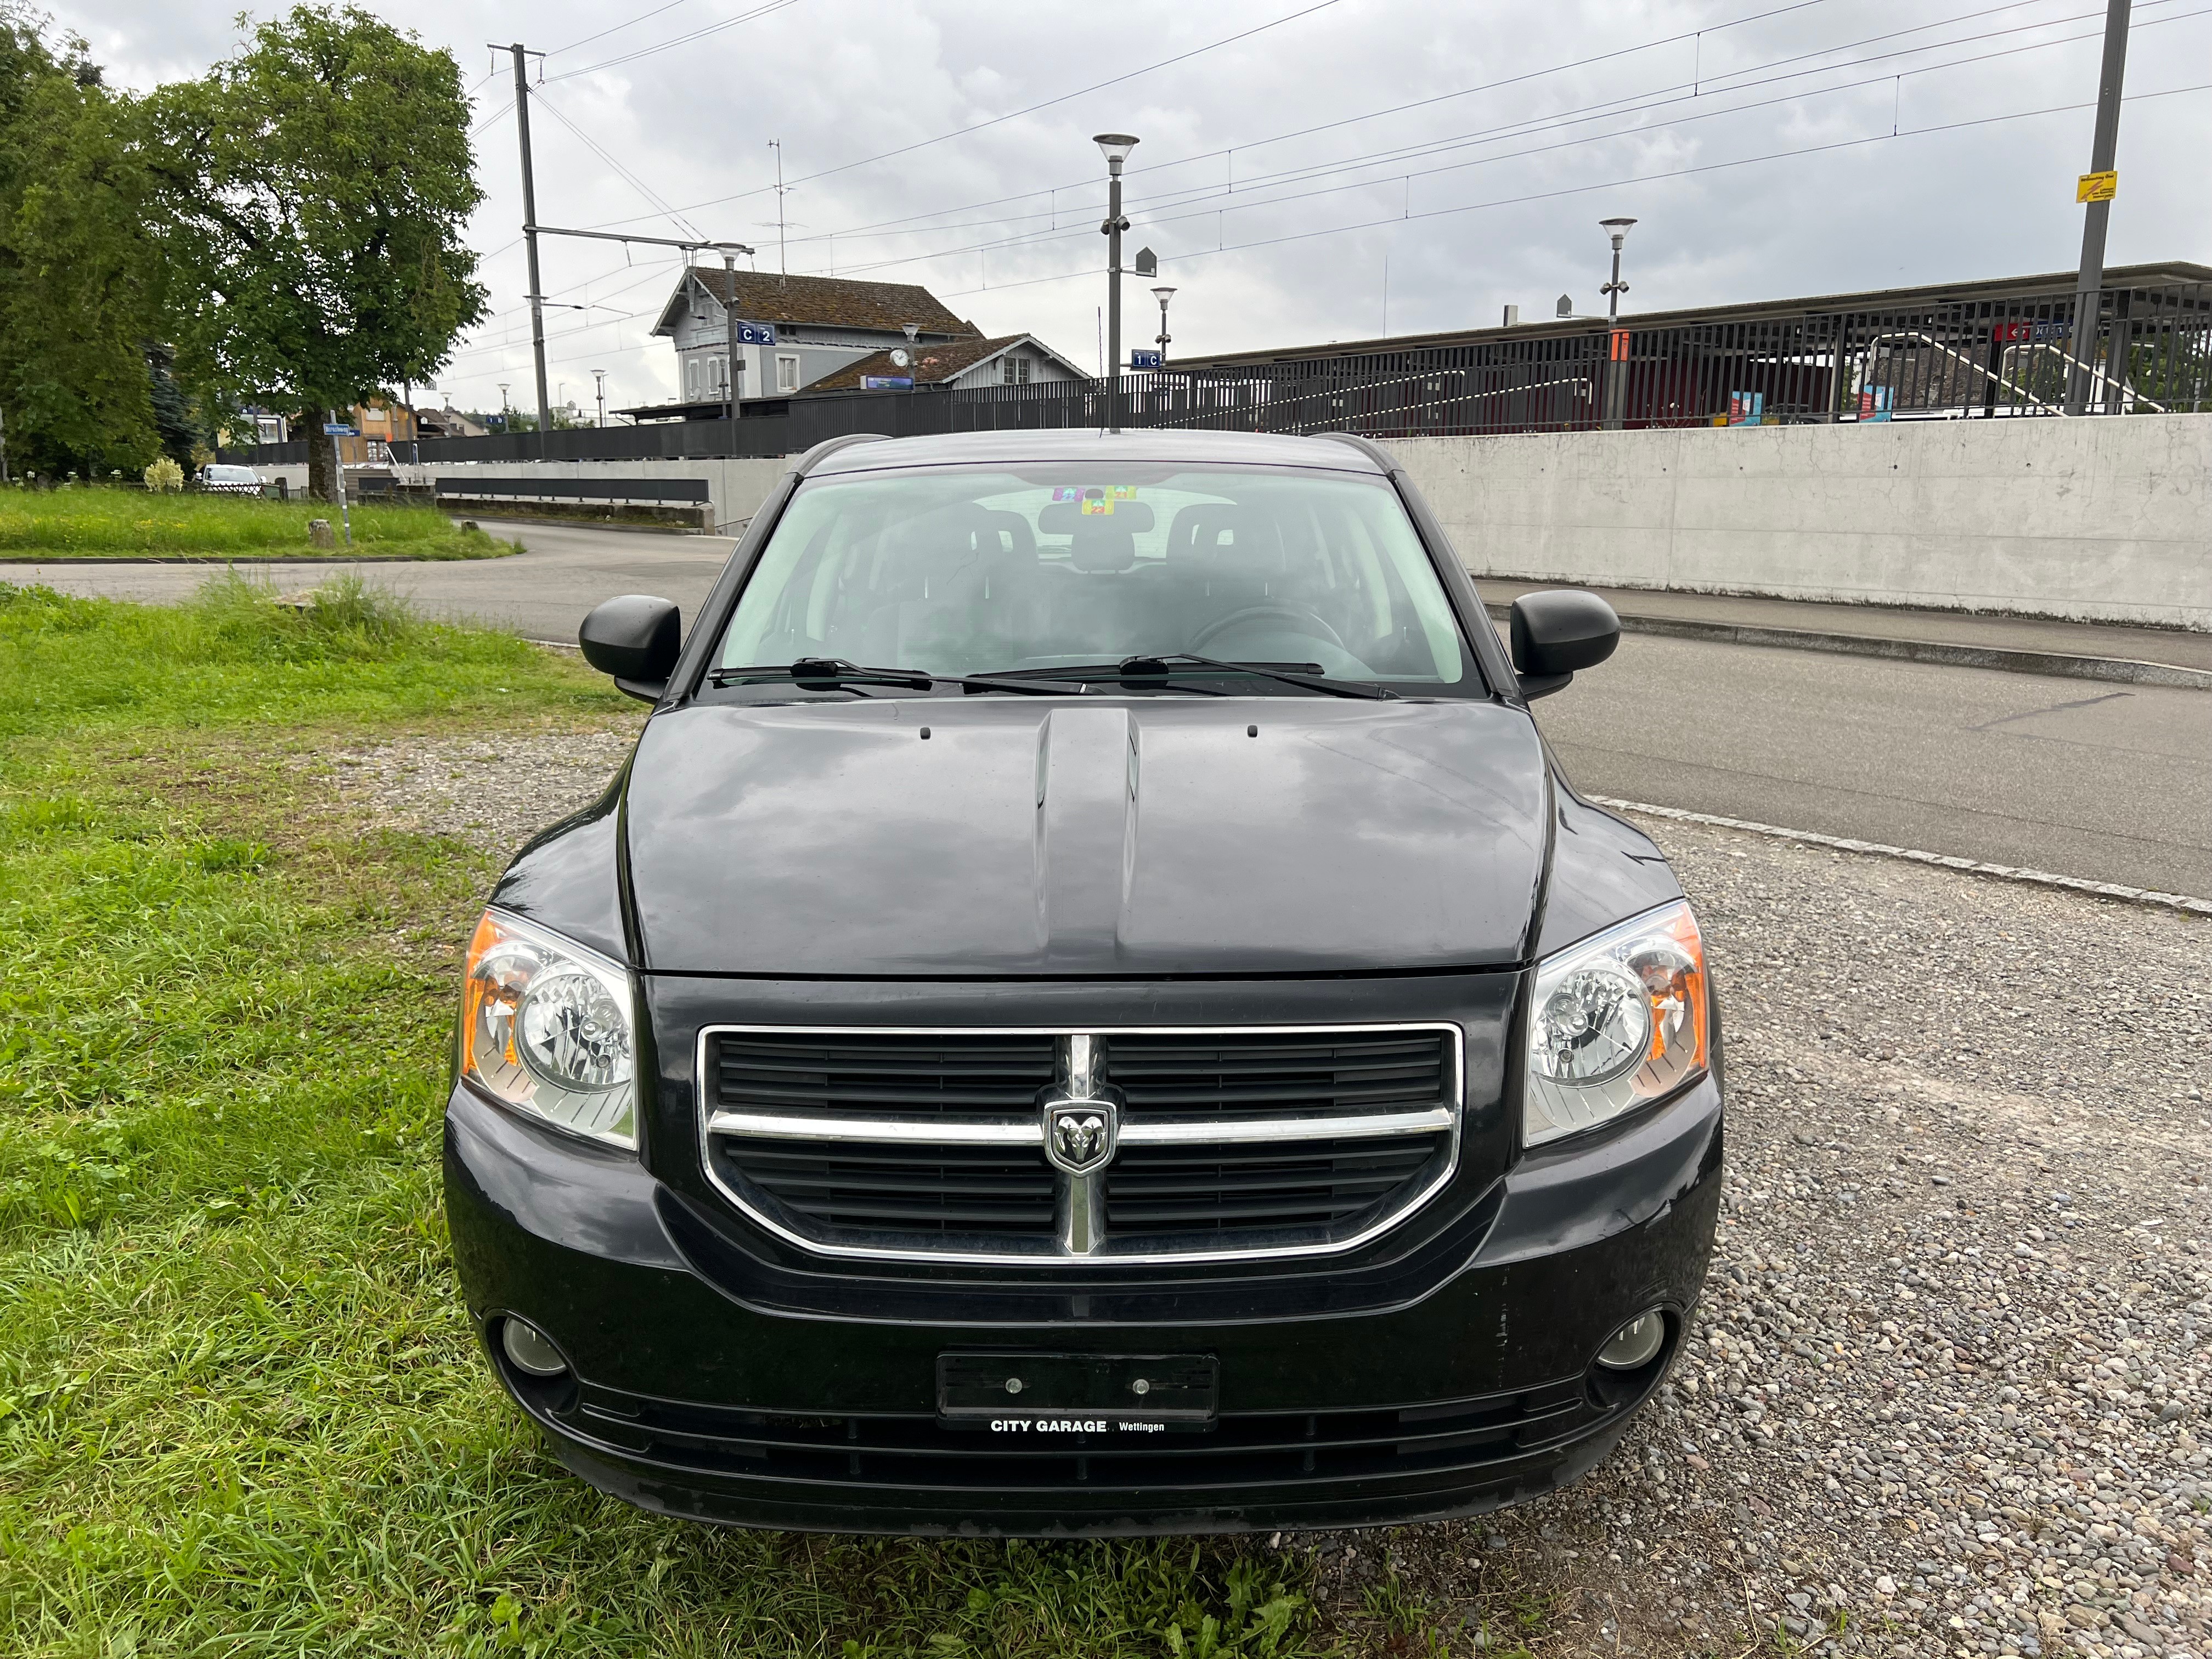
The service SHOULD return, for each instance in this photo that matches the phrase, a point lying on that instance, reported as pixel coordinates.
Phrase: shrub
(165, 477)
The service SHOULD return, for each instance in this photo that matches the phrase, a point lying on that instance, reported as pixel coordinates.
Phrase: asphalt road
(541, 593)
(2109, 783)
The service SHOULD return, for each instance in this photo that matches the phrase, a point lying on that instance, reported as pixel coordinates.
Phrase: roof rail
(1367, 447)
(830, 446)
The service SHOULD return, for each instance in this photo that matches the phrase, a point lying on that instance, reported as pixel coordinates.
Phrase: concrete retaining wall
(735, 488)
(2103, 520)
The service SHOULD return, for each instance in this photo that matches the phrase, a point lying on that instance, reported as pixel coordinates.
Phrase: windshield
(977, 571)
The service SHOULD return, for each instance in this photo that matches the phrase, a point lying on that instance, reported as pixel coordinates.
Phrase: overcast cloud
(1486, 194)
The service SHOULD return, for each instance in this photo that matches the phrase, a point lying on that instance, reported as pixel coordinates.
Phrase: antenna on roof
(782, 265)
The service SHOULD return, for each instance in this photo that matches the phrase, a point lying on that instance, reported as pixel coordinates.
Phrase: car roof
(1086, 445)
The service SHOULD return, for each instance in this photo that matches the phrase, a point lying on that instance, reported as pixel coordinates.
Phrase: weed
(241, 1407)
(126, 523)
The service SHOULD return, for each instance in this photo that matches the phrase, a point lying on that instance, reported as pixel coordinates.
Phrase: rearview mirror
(1557, 632)
(634, 638)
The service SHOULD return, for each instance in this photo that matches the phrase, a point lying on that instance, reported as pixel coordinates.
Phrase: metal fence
(1964, 359)
(1975, 358)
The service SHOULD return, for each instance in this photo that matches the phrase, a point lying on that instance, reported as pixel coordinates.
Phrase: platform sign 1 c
(2097, 186)
(1145, 359)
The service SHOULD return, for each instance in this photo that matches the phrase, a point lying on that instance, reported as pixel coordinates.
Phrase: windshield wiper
(833, 673)
(1311, 682)
(1162, 665)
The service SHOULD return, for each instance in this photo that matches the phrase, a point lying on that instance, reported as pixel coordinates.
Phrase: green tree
(81, 261)
(321, 178)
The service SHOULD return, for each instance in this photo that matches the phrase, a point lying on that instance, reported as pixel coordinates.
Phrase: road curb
(2064, 665)
(6, 565)
(2181, 901)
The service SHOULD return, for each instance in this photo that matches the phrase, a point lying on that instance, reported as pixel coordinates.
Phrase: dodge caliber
(1090, 1009)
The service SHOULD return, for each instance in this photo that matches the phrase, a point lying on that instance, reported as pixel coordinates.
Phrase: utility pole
(1116, 147)
(2097, 191)
(529, 241)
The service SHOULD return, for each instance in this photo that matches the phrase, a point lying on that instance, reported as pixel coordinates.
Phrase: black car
(1090, 1010)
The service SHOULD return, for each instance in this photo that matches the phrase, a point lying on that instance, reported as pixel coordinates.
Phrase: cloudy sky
(1307, 171)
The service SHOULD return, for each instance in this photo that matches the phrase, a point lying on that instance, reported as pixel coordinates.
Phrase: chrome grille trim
(1028, 1132)
(1180, 1130)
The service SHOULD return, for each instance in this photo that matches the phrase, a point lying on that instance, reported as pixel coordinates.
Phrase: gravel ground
(494, 792)
(1948, 1389)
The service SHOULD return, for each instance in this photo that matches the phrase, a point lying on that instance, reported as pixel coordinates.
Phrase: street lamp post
(729, 251)
(1615, 353)
(1116, 147)
(599, 377)
(1163, 293)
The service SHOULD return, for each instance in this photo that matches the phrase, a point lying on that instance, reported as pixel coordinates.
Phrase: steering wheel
(1314, 623)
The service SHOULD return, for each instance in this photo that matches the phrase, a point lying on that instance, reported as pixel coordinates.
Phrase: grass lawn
(240, 1410)
(99, 522)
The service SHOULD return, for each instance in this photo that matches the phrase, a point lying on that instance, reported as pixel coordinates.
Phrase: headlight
(546, 1025)
(1617, 1020)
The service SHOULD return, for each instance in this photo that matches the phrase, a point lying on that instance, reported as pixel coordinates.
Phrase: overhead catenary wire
(617, 28)
(1535, 196)
(1244, 202)
(1613, 183)
(1031, 109)
(635, 183)
(1607, 109)
(679, 40)
(1795, 5)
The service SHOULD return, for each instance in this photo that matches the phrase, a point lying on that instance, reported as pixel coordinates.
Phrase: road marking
(2181, 901)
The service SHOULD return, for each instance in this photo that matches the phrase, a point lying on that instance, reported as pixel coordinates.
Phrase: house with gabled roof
(829, 333)
(955, 365)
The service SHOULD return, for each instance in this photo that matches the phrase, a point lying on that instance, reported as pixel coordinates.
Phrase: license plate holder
(1077, 1395)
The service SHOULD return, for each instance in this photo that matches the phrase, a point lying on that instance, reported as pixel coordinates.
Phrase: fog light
(533, 1352)
(1634, 1343)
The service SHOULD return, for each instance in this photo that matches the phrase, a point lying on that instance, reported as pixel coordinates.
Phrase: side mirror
(1557, 632)
(634, 638)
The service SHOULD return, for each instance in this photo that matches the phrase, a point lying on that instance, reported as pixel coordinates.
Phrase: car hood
(1015, 836)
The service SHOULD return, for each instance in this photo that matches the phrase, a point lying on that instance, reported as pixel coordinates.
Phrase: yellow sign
(2097, 186)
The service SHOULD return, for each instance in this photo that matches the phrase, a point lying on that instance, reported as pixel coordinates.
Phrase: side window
(786, 373)
(691, 379)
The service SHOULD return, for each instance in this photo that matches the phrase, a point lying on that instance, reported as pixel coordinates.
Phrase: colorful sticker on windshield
(1097, 501)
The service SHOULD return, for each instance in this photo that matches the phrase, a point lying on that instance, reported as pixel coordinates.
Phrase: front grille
(1183, 1144)
(951, 1073)
(1219, 1075)
(874, 1184)
(1263, 1187)
(1243, 1450)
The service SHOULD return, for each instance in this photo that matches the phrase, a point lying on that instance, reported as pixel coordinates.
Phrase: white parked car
(219, 479)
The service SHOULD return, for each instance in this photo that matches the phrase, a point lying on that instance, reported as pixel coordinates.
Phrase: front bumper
(1464, 1383)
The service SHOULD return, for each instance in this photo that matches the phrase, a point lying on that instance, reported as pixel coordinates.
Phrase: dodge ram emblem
(1079, 1134)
